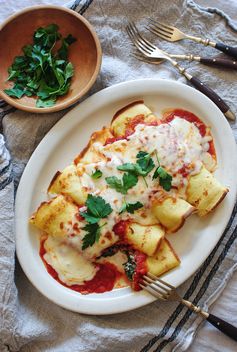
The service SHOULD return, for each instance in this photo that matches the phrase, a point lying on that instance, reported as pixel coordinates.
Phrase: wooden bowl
(85, 54)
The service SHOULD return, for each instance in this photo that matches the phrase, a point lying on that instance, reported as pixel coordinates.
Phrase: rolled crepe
(59, 218)
(204, 192)
(163, 260)
(90, 153)
(123, 117)
(68, 183)
(146, 239)
(172, 212)
(54, 216)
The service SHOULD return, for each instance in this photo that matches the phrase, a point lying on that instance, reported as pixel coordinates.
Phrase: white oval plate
(193, 242)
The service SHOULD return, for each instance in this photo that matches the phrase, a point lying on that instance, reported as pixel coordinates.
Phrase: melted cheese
(178, 144)
(72, 268)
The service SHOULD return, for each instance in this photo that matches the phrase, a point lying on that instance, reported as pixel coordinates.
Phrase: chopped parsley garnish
(97, 174)
(97, 209)
(128, 181)
(145, 162)
(92, 236)
(130, 266)
(130, 207)
(165, 179)
(142, 167)
(42, 71)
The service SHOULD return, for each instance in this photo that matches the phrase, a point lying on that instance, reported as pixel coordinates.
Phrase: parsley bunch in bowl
(43, 71)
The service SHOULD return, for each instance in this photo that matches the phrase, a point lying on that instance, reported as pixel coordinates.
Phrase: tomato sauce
(190, 117)
(183, 171)
(141, 269)
(113, 139)
(130, 128)
(104, 280)
(120, 229)
(139, 119)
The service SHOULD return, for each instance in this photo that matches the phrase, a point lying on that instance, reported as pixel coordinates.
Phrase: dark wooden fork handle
(227, 63)
(223, 326)
(228, 50)
(213, 96)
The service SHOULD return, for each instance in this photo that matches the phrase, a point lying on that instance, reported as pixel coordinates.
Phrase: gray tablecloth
(28, 321)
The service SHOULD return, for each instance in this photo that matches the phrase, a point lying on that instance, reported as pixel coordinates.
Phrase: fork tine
(139, 44)
(136, 42)
(155, 282)
(139, 37)
(160, 280)
(166, 26)
(153, 292)
(159, 32)
(155, 288)
(146, 42)
(160, 28)
(156, 32)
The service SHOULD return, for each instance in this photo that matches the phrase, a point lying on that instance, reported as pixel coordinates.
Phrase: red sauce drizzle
(130, 128)
(104, 280)
(189, 116)
(120, 229)
(113, 139)
(183, 171)
(141, 269)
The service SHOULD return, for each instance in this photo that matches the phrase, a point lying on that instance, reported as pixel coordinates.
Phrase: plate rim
(86, 108)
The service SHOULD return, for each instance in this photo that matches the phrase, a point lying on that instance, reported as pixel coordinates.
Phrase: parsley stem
(145, 181)
(157, 158)
(103, 225)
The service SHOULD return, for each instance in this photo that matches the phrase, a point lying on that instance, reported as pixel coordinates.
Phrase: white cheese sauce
(72, 268)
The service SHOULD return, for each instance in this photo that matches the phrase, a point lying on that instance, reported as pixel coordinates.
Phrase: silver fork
(173, 34)
(204, 60)
(150, 50)
(164, 291)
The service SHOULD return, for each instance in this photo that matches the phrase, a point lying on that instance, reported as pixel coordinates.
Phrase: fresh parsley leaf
(70, 39)
(69, 70)
(130, 207)
(97, 209)
(89, 218)
(63, 50)
(45, 103)
(97, 174)
(165, 179)
(123, 208)
(145, 162)
(130, 266)
(92, 236)
(142, 167)
(132, 168)
(16, 92)
(116, 183)
(128, 181)
(97, 206)
(165, 182)
(142, 154)
(41, 71)
(12, 74)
